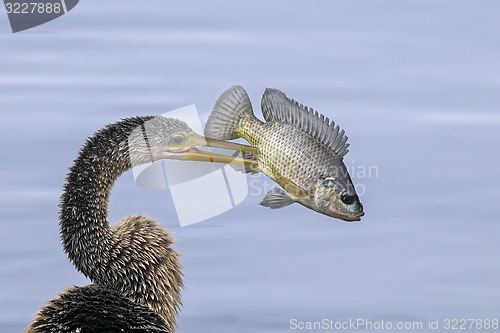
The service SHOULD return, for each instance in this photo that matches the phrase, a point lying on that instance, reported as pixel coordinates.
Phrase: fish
(297, 147)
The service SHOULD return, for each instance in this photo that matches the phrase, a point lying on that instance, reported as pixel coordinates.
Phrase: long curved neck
(85, 231)
(133, 256)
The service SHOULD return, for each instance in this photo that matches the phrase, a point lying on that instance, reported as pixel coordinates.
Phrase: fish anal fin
(277, 198)
(248, 155)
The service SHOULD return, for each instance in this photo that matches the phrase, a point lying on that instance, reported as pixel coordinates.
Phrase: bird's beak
(202, 141)
(192, 153)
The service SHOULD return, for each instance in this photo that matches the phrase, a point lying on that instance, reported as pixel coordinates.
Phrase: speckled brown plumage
(94, 309)
(130, 263)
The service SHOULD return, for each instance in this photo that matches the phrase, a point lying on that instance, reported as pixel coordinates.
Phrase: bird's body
(103, 309)
(298, 148)
(131, 263)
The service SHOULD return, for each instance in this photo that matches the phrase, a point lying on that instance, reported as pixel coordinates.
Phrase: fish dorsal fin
(279, 108)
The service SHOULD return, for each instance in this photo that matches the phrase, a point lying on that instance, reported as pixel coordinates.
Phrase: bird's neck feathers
(133, 256)
(85, 232)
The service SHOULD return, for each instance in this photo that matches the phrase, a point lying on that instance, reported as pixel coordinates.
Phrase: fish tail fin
(232, 107)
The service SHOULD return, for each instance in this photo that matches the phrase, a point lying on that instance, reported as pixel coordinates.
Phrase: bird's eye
(178, 139)
(347, 199)
(328, 183)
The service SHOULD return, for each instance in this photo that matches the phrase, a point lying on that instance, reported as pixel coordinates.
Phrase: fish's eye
(178, 139)
(328, 183)
(347, 199)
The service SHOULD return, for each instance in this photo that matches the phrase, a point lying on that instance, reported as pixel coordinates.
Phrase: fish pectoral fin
(247, 155)
(277, 198)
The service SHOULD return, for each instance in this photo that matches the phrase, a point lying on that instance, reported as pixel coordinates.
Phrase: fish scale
(287, 159)
(297, 147)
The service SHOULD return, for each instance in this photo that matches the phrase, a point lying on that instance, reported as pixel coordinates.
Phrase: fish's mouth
(358, 215)
(192, 153)
(350, 217)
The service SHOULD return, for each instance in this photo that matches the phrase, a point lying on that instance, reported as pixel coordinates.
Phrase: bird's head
(170, 138)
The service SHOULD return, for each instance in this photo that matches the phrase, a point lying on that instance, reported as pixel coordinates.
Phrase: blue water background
(415, 84)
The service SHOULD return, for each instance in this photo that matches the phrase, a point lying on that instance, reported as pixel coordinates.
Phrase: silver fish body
(298, 148)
